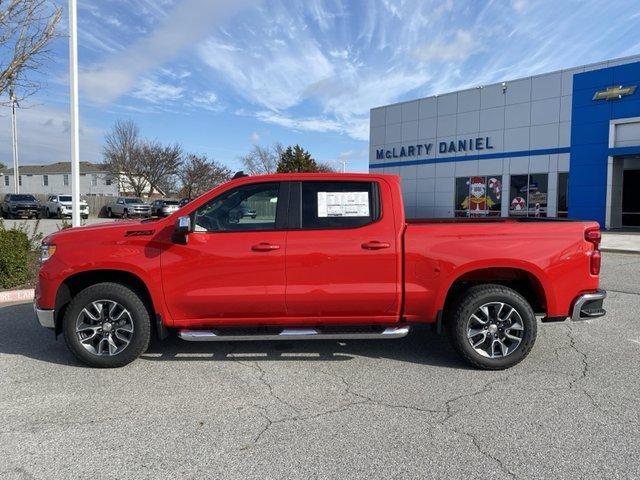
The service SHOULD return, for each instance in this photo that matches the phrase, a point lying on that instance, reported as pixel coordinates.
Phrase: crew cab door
(232, 268)
(343, 257)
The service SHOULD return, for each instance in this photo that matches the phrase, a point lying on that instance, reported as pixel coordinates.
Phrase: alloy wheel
(104, 327)
(495, 330)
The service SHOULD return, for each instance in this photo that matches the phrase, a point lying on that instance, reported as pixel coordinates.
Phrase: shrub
(18, 256)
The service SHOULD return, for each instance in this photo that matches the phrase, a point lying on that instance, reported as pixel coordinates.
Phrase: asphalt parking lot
(378, 409)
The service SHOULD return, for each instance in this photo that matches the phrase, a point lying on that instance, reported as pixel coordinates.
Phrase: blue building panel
(590, 120)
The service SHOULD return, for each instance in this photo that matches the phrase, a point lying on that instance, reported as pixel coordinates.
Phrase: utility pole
(14, 141)
(73, 100)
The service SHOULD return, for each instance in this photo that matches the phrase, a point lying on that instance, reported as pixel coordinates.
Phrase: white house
(56, 178)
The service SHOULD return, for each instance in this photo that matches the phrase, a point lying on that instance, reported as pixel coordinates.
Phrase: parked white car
(60, 206)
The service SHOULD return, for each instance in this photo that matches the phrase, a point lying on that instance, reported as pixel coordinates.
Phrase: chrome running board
(291, 334)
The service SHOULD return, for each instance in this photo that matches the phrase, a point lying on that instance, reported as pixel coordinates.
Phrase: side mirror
(182, 230)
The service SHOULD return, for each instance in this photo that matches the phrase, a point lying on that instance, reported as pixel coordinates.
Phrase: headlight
(46, 252)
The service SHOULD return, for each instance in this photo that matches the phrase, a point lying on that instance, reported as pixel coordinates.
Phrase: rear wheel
(492, 327)
(107, 325)
(109, 213)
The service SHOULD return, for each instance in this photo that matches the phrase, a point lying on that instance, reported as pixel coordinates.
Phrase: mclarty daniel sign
(427, 149)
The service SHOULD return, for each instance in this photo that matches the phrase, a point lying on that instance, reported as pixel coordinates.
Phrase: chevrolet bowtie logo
(614, 93)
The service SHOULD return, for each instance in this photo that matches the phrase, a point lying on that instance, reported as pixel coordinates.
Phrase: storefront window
(528, 195)
(478, 196)
(563, 189)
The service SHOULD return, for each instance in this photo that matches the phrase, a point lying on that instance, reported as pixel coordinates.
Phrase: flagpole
(73, 99)
(14, 142)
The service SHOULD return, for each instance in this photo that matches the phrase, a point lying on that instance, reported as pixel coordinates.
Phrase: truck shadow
(20, 334)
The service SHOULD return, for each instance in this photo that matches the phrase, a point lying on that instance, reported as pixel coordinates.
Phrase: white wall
(35, 184)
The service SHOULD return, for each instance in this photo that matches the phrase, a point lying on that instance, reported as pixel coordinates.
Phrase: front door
(232, 268)
(342, 261)
(631, 199)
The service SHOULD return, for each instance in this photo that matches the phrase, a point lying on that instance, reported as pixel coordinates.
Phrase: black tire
(468, 303)
(109, 213)
(125, 213)
(139, 315)
(47, 213)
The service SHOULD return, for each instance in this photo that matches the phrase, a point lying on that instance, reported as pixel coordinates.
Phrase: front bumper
(45, 317)
(24, 211)
(588, 306)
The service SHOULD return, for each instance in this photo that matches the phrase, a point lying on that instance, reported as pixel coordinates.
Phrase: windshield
(133, 200)
(171, 202)
(23, 198)
(65, 198)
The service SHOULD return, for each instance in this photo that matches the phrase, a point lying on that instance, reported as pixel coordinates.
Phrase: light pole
(14, 141)
(73, 100)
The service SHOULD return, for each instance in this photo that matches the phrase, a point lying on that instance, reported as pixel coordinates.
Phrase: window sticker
(343, 204)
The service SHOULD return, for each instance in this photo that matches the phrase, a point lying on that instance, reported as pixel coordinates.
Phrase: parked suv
(128, 207)
(61, 206)
(163, 208)
(17, 205)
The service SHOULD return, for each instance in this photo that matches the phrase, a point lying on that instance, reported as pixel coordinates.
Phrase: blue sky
(218, 76)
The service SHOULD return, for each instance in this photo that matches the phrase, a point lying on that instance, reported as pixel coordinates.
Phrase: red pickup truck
(314, 256)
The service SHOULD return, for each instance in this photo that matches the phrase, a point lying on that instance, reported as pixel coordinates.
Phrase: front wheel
(107, 325)
(492, 327)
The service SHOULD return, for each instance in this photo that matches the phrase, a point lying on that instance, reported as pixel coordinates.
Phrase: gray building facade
(565, 144)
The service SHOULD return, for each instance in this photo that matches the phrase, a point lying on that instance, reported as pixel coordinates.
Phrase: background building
(566, 143)
(56, 178)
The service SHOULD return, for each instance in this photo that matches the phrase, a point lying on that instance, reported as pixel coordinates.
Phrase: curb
(12, 296)
(620, 250)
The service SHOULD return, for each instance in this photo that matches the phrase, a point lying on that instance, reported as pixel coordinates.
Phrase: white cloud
(255, 137)
(311, 124)
(157, 92)
(271, 75)
(206, 100)
(457, 47)
(189, 22)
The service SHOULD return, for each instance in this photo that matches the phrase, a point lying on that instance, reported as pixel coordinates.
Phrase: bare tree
(159, 163)
(26, 29)
(323, 167)
(123, 157)
(199, 174)
(262, 160)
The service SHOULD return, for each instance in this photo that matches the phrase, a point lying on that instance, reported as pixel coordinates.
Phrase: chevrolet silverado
(327, 256)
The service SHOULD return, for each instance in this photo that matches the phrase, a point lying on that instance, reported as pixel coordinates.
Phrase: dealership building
(561, 144)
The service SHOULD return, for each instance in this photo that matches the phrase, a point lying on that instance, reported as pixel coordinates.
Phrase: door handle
(264, 247)
(375, 245)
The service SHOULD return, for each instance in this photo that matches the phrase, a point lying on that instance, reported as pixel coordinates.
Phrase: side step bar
(291, 334)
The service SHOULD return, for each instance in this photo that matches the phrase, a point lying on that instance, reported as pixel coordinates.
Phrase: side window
(247, 208)
(339, 204)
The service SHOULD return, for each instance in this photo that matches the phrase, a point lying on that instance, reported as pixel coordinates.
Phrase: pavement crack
(584, 372)
(479, 447)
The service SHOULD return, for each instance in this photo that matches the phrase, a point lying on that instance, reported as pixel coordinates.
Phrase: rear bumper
(45, 317)
(589, 305)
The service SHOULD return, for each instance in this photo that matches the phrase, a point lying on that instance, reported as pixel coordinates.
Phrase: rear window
(328, 205)
(171, 202)
(65, 198)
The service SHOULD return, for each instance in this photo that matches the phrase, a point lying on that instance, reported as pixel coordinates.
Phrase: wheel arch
(525, 281)
(77, 282)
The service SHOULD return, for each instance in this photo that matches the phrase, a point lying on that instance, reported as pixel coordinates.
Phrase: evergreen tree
(295, 160)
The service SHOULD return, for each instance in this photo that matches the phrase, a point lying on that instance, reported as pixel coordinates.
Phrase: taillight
(596, 260)
(594, 237)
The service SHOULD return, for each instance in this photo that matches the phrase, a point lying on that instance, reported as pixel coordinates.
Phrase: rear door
(342, 253)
